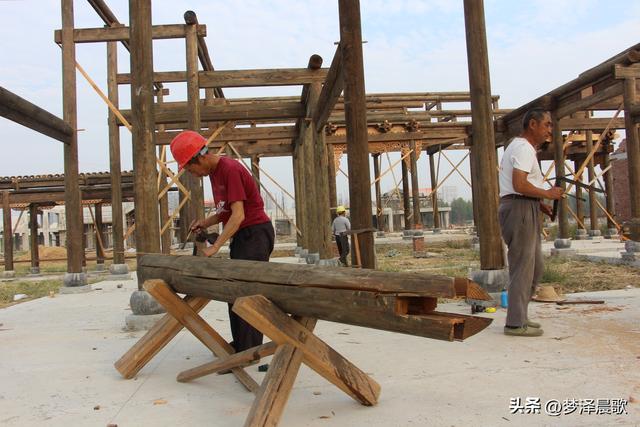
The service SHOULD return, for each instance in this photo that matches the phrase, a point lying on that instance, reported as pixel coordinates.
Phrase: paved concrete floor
(57, 355)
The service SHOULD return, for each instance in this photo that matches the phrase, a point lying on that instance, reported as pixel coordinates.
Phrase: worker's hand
(555, 193)
(198, 226)
(210, 251)
(546, 209)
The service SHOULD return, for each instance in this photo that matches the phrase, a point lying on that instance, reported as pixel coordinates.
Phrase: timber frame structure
(318, 127)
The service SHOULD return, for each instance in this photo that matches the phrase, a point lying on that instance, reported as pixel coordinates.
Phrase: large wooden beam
(108, 34)
(27, 114)
(566, 108)
(356, 119)
(264, 77)
(360, 297)
(331, 90)
(483, 153)
(73, 209)
(147, 230)
(237, 134)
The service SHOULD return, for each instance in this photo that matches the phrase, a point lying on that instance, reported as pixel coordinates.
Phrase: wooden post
(147, 231)
(415, 188)
(579, 203)
(593, 207)
(483, 153)
(7, 232)
(406, 203)
(559, 157)
(33, 238)
(633, 154)
(194, 208)
(434, 193)
(331, 172)
(73, 208)
(117, 227)
(376, 175)
(322, 183)
(609, 191)
(99, 234)
(356, 124)
(298, 181)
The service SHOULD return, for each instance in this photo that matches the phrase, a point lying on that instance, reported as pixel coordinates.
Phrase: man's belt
(519, 197)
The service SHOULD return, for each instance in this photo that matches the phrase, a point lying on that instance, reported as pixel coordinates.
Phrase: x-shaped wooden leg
(297, 343)
(184, 314)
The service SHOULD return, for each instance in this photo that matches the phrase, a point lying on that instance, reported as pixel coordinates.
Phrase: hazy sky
(412, 46)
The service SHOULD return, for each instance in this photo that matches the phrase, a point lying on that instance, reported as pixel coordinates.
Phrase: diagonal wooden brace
(155, 340)
(265, 316)
(197, 325)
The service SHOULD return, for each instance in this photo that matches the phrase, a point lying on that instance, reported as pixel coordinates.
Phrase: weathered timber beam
(30, 115)
(359, 297)
(381, 116)
(190, 18)
(400, 136)
(57, 195)
(331, 90)
(592, 123)
(265, 77)
(564, 109)
(158, 77)
(110, 34)
(237, 134)
(626, 72)
(166, 114)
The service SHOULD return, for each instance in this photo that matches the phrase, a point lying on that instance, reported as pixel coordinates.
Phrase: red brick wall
(619, 169)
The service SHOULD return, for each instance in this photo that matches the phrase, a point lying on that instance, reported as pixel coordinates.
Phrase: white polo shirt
(521, 155)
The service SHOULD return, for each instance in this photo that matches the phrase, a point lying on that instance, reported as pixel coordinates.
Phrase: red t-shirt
(231, 182)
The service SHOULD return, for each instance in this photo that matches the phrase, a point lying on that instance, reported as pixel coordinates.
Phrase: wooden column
(147, 231)
(593, 207)
(406, 203)
(579, 203)
(415, 188)
(322, 182)
(117, 226)
(633, 153)
(331, 172)
(434, 193)
(99, 233)
(73, 208)
(376, 175)
(356, 124)
(559, 157)
(608, 186)
(298, 186)
(7, 231)
(33, 238)
(483, 153)
(193, 209)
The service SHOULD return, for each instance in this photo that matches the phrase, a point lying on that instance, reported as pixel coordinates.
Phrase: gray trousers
(520, 226)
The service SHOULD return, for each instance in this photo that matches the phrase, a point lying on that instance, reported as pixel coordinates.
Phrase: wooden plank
(30, 115)
(274, 392)
(237, 134)
(591, 123)
(271, 321)
(242, 358)
(626, 72)
(197, 326)
(107, 34)
(154, 340)
(567, 108)
(158, 77)
(263, 77)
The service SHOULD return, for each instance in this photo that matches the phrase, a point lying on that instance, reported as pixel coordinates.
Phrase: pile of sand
(46, 253)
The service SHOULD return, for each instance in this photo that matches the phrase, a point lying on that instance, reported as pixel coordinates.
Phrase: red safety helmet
(186, 145)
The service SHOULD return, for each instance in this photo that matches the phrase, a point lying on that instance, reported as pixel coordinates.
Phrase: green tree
(461, 211)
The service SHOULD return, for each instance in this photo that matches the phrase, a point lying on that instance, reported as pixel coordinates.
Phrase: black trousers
(342, 240)
(254, 243)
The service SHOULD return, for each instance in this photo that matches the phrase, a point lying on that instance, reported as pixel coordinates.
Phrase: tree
(461, 211)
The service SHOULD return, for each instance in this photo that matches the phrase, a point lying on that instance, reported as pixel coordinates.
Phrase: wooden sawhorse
(293, 343)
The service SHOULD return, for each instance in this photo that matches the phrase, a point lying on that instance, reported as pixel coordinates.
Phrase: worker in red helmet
(239, 207)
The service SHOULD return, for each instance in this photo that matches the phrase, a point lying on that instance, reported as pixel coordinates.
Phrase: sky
(412, 46)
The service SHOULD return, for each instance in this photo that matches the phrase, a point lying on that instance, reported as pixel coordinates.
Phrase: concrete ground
(57, 355)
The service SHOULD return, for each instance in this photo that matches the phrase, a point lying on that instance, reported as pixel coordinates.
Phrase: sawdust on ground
(46, 253)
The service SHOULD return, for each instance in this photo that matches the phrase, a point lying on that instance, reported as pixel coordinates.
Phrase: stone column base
(119, 272)
(8, 274)
(611, 233)
(313, 258)
(34, 271)
(380, 234)
(581, 234)
(74, 280)
(333, 262)
(137, 322)
(563, 252)
(436, 231)
(492, 281)
(100, 268)
(142, 303)
(407, 234)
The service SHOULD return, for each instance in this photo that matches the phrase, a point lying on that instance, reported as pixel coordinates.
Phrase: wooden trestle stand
(263, 294)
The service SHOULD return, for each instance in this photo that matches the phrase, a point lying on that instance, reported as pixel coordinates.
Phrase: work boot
(523, 332)
(532, 324)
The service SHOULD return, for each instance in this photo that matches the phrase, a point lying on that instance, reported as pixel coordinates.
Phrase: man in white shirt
(521, 193)
(340, 227)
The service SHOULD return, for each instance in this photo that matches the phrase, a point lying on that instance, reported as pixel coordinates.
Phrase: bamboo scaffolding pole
(448, 175)
(391, 167)
(597, 177)
(456, 169)
(343, 172)
(262, 171)
(95, 228)
(393, 174)
(273, 199)
(173, 215)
